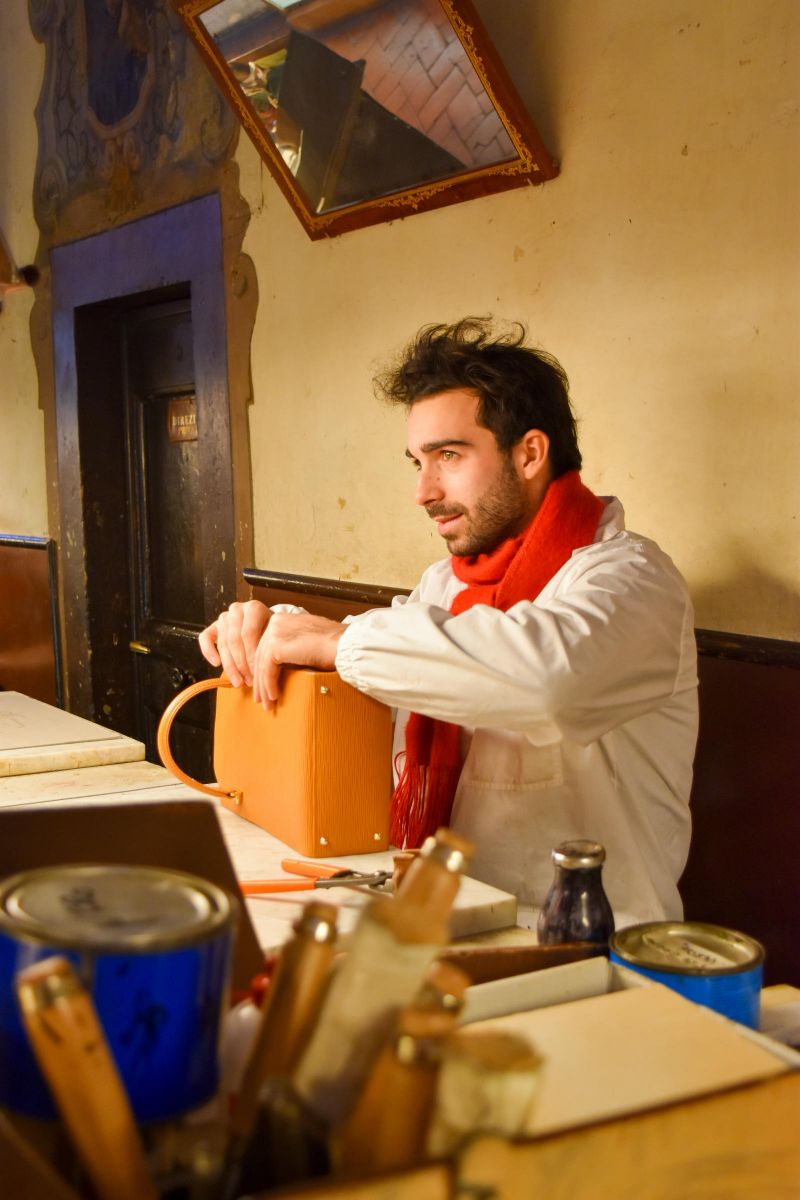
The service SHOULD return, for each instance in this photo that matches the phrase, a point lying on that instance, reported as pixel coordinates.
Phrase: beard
(502, 511)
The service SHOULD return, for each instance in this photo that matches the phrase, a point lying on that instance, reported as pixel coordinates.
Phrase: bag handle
(165, 726)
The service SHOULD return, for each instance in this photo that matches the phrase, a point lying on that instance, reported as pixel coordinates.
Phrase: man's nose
(429, 488)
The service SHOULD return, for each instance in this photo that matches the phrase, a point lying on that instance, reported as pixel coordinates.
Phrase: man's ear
(532, 453)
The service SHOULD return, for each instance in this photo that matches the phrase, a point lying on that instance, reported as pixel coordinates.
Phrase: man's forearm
(568, 670)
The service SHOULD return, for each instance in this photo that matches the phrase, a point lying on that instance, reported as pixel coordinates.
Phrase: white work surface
(254, 853)
(37, 737)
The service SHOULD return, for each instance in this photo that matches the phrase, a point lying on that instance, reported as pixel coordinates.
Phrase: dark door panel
(170, 536)
(166, 513)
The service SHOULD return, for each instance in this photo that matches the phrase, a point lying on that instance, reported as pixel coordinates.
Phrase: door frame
(181, 245)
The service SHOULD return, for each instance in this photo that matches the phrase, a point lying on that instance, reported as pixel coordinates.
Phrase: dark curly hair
(519, 388)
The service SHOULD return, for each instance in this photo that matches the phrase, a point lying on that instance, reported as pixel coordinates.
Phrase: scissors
(314, 875)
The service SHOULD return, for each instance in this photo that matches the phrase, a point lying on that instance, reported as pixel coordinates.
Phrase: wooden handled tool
(389, 1123)
(291, 1007)
(432, 879)
(391, 949)
(70, 1047)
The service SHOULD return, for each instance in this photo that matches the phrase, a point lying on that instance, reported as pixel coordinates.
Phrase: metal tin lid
(112, 908)
(687, 948)
(578, 854)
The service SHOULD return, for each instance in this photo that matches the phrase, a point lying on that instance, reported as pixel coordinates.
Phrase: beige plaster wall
(23, 498)
(661, 267)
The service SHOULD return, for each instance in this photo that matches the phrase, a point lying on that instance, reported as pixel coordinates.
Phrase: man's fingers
(262, 663)
(272, 684)
(255, 618)
(230, 645)
(292, 639)
(208, 645)
(232, 640)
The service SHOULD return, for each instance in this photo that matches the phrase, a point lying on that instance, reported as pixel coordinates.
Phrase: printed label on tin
(686, 947)
(681, 952)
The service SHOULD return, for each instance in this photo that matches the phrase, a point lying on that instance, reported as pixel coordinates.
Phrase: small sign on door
(182, 419)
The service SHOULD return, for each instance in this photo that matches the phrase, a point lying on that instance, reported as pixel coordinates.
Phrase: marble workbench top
(37, 737)
(255, 854)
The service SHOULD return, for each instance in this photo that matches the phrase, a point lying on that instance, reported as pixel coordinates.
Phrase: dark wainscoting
(741, 871)
(745, 796)
(30, 658)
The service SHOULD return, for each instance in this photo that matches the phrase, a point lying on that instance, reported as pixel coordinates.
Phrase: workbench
(51, 758)
(741, 1143)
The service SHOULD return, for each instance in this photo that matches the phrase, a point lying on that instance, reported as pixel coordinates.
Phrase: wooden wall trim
(741, 647)
(25, 541)
(712, 643)
(334, 589)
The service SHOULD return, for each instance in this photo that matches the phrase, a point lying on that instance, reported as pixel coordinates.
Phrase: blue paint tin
(708, 964)
(152, 947)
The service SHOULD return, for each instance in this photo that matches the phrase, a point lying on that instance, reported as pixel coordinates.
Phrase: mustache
(443, 510)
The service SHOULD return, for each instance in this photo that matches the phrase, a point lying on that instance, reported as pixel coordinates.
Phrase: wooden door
(166, 499)
(99, 285)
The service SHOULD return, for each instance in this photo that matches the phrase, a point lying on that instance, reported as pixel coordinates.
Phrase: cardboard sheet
(630, 1050)
(182, 835)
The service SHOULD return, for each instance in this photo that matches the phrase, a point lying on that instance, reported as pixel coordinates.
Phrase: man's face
(467, 485)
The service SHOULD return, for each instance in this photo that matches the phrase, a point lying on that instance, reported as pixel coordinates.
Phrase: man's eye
(449, 455)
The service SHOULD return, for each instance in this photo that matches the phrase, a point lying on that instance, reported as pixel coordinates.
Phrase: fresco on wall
(119, 58)
(124, 102)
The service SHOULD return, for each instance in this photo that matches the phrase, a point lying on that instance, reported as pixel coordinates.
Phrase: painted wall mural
(130, 125)
(123, 98)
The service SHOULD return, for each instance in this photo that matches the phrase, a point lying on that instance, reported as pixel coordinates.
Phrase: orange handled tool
(316, 870)
(314, 875)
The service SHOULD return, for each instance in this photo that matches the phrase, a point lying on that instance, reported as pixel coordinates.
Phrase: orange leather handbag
(315, 771)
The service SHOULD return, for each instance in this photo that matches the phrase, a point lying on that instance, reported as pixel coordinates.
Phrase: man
(549, 663)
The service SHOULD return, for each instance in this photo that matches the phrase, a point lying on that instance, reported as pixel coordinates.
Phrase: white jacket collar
(612, 521)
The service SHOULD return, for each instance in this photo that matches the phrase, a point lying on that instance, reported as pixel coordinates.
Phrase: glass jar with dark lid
(576, 908)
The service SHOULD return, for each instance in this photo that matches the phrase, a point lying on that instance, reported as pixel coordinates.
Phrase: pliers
(315, 875)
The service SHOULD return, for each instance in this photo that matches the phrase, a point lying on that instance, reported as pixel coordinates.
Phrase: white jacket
(579, 712)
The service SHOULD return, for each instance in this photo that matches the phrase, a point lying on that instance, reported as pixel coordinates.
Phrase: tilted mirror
(367, 110)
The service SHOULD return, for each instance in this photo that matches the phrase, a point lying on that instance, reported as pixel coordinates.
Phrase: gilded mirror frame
(526, 162)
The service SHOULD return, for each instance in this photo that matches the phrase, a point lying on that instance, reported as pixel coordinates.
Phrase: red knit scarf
(516, 570)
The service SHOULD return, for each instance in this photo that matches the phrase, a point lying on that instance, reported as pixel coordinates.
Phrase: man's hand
(293, 639)
(231, 642)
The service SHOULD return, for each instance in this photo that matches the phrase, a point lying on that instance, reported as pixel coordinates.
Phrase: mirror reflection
(360, 98)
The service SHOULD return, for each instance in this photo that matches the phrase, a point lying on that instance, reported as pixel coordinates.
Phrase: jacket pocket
(508, 762)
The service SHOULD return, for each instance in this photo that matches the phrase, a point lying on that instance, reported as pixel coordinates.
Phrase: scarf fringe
(421, 803)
